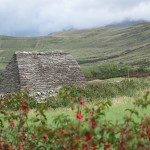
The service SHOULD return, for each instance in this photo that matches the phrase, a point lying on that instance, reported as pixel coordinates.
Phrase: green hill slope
(128, 45)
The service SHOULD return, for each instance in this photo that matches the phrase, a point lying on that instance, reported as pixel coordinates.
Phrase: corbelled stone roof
(40, 72)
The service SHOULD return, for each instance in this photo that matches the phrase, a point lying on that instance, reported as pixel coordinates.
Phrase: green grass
(118, 110)
(113, 88)
(115, 113)
(126, 45)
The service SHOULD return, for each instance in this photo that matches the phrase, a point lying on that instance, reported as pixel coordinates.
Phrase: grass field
(120, 101)
(116, 112)
(126, 45)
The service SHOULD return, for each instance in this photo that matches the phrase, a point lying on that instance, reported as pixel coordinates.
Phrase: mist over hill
(126, 23)
(127, 45)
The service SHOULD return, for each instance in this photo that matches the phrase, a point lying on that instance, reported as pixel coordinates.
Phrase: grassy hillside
(125, 45)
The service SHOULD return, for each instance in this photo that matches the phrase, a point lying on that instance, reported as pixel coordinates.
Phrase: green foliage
(87, 130)
(14, 100)
(97, 90)
(111, 70)
(105, 71)
(62, 98)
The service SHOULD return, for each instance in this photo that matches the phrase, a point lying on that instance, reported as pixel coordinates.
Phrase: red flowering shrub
(12, 124)
(81, 102)
(45, 136)
(24, 108)
(87, 131)
(79, 115)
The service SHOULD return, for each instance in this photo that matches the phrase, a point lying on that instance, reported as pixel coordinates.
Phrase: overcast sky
(41, 17)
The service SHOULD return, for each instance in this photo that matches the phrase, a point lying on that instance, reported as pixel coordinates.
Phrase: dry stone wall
(40, 72)
(10, 78)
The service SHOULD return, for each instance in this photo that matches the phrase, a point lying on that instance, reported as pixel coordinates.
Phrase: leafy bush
(97, 90)
(105, 71)
(88, 130)
(13, 101)
(110, 89)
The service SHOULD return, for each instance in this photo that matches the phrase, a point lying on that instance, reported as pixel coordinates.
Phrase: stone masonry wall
(10, 78)
(41, 72)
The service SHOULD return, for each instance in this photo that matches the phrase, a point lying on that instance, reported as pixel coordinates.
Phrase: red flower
(108, 144)
(88, 136)
(63, 131)
(24, 108)
(45, 136)
(142, 135)
(0, 143)
(142, 127)
(81, 102)
(79, 115)
(93, 125)
(148, 131)
(129, 131)
(12, 124)
(94, 147)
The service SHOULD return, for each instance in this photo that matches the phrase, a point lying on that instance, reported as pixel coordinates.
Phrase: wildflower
(88, 136)
(24, 108)
(108, 144)
(94, 147)
(81, 102)
(142, 127)
(12, 124)
(142, 135)
(148, 133)
(63, 131)
(79, 115)
(93, 125)
(45, 136)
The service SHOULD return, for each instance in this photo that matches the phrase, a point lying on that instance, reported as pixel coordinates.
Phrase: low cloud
(41, 17)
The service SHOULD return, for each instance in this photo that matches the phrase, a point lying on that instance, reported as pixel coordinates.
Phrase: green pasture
(125, 45)
(116, 112)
